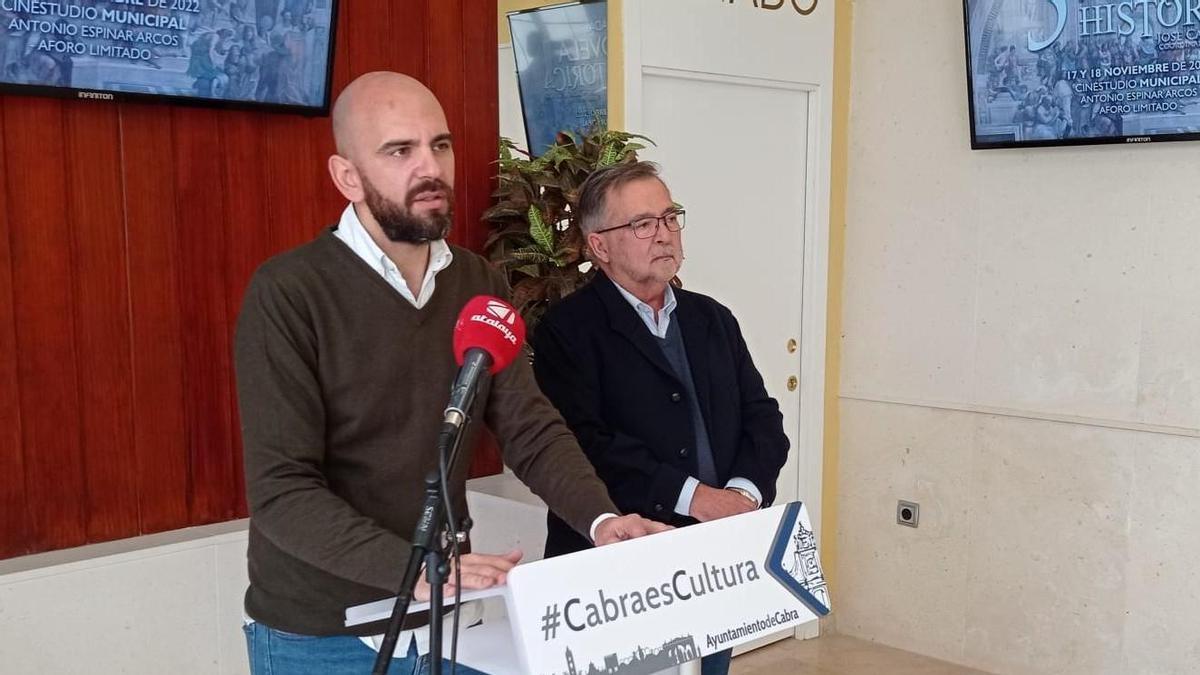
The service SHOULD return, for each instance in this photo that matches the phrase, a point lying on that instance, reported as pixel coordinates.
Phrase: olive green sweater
(341, 386)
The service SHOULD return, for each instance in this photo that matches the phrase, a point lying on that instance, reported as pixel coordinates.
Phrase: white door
(742, 247)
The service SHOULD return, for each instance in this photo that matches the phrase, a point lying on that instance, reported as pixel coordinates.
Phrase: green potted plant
(535, 238)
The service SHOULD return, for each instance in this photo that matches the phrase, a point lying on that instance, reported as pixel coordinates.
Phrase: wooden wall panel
(43, 281)
(14, 539)
(291, 184)
(444, 75)
(370, 41)
(128, 233)
(96, 235)
(481, 129)
(250, 238)
(207, 372)
(408, 53)
(156, 318)
(478, 149)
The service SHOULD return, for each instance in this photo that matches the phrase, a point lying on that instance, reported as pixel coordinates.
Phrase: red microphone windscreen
(492, 325)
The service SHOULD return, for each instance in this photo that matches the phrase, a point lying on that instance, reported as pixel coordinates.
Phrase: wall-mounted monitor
(273, 54)
(562, 68)
(1069, 72)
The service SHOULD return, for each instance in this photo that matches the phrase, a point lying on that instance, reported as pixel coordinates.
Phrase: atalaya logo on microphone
(502, 311)
(501, 317)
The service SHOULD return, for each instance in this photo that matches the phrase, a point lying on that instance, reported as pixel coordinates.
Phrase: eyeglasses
(645, 228)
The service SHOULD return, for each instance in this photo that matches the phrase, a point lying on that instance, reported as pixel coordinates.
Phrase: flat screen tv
(1072, 72)
(562, 69)
(273, 54)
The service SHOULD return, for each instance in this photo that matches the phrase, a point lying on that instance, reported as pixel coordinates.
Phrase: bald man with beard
(344, 364)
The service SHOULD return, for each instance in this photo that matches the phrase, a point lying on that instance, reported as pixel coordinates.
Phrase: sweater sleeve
(542, 451)
(537, 445)
(283, 432)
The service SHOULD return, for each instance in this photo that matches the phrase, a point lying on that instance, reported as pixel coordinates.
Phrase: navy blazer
(605, 372)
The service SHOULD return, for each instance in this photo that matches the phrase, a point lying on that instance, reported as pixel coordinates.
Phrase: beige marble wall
(1020, 357)
(1043, 547)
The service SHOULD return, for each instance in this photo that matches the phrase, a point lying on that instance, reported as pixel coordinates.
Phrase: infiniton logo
(502, 311)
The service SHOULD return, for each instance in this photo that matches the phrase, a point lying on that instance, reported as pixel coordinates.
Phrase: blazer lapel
(624, 319)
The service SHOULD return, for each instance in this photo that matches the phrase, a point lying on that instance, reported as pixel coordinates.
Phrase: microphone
(487, 338)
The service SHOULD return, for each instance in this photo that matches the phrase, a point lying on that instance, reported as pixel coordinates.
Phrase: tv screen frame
(118, 96)
(1119, 138)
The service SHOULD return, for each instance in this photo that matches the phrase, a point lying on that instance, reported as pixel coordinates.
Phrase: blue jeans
(274, 652)
(716, 664)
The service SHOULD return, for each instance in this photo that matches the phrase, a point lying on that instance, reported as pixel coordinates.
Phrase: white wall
(163, 608)
(172, 603)
(1020, 357)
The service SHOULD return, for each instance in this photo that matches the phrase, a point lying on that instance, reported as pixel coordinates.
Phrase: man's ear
(599, 248)
(346, 178)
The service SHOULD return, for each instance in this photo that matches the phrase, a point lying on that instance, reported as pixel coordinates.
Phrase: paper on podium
(381, 610)
(487, 647)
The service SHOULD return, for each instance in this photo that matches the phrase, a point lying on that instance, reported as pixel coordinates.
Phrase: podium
(649, 605)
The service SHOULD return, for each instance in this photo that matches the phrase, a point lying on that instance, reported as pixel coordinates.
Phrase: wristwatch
(745, 493)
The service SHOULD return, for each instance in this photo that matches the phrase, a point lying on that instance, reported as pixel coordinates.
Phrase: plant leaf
(542, 233)
(609, 155)
(533, 234)
(526, 256)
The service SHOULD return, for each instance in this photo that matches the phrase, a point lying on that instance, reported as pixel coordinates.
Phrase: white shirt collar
(657, 328)
(351, 231)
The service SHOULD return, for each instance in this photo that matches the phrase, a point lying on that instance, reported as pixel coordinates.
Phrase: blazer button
(683, 452)
(658, 507)
(676, 398)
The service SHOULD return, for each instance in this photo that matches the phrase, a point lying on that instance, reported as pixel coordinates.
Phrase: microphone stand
(430, 543)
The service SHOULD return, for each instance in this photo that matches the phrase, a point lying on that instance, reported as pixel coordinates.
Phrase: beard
(400, 224)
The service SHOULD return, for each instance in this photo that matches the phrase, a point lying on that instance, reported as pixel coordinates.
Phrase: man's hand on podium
(612, 530)
(479, 571)
(709, 503)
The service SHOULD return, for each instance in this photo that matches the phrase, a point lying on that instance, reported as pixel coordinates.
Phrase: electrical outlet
(908, 513)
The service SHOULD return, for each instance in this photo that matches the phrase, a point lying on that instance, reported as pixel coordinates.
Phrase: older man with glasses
(655, 381)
